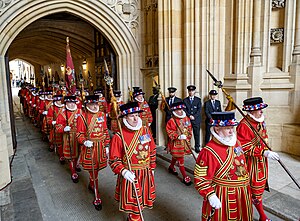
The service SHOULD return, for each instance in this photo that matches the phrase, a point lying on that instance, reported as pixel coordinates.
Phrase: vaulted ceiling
(44, 41)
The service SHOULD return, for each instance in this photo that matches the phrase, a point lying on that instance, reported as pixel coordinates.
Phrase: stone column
(5, 149)
(170, 54)
(296, 51)
(255, 68)
(295, 66)
(255, 49)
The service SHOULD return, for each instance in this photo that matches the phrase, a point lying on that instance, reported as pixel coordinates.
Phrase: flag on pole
(70, 71)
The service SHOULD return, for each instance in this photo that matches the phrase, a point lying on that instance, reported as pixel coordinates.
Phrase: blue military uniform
(170, 101)
(210, 107)
(193, 107)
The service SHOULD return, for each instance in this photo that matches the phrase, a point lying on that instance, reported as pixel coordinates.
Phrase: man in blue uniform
(210, 106)
(193, 111)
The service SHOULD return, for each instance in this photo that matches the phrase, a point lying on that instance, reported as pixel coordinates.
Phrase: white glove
(67, 128)
(53, 122)
(149, 124)
(88, 143)
(107, 151)
(34, 105)
(30, 102)
(271, 154)
(128, 175)
(182, 137)
(214, 201)
(45, 112)
(153, 172)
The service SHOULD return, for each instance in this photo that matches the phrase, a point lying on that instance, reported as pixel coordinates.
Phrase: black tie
(213, 103)
(191, 100)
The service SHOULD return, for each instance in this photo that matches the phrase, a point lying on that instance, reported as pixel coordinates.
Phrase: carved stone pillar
(297, 31)
(295, 66)
(170, 53)
(256, 47)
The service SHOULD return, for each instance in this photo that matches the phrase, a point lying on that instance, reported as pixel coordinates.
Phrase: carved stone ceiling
(44, 41)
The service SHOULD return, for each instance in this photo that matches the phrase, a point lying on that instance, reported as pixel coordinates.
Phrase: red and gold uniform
(146, 115)
(179, 148)
(55, 139)
(141, 151)
(221, 175)
(98, 133)
(177, 127)
(114, 119)
(69, 118)
(253, 148)
(222, 170)
(44, 105)
(70, 152)
(103, 104)
(142, 158)
(256, 152)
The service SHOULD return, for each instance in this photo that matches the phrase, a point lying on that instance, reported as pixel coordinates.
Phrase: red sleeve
(60, 123)
(116, 154)
(50, 115)
(249, 142)
(150, 118)
(204, 171)
(172, 129)
(41, 107)
(81, 130)
(152, 153)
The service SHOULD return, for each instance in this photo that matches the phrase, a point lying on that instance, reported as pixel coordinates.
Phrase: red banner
(70, 71)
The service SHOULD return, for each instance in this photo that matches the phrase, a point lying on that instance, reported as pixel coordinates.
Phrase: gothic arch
(18, 14)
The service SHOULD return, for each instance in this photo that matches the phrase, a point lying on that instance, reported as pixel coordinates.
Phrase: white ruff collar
(137, 127)
(176, 115)
(260, 120)
(58, 105)
(75, 108)
(48, 99)
(230, 142)
(94, 112)
(42, 98)
(139, 100)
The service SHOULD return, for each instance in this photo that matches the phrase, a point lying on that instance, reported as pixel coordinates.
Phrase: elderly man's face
(132, 119)
(140, 97)
(58, 102)
(71, 105)
(224, 132)
(94, 107)
(179, 112)
(257, 113)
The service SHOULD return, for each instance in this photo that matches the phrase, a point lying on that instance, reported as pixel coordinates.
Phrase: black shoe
(172, 171)
(197, 149)
(187, 181)
(75, 178)
(97, 204)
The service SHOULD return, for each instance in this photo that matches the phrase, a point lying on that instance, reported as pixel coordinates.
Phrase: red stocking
(181, 166)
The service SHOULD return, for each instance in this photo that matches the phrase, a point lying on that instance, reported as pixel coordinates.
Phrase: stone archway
(17, 15)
